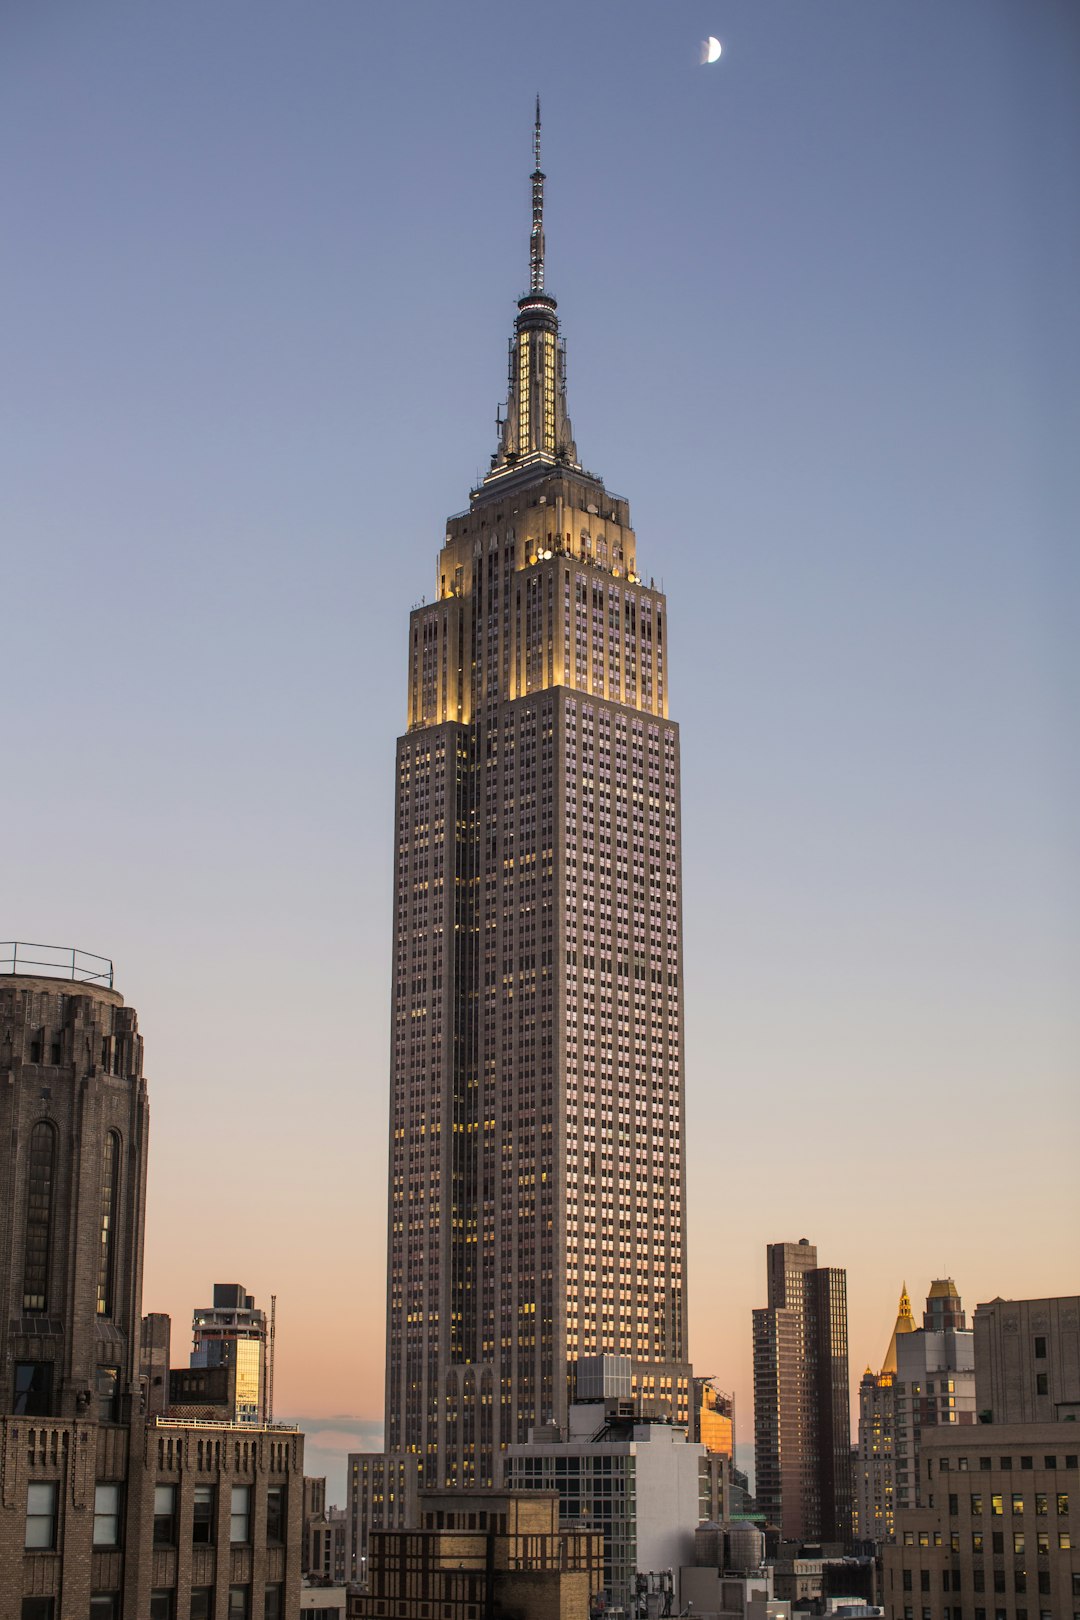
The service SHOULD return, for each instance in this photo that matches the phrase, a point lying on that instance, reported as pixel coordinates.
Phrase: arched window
(39, 1200)
(110, 1177)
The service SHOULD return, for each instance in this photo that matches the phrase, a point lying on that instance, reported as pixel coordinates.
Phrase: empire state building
(537, 1182)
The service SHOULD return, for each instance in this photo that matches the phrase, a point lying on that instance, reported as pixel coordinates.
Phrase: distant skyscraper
(874, 1496)
(935, 1383)
(801, 1415)
(536, 1198)
(231, 1335)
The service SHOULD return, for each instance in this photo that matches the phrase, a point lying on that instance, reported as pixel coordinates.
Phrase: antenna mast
(270, 1365)
(536, 238)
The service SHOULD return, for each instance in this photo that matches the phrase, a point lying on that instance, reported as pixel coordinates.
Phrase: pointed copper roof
(905, 1323)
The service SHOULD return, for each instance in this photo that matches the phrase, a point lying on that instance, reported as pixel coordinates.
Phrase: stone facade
(1027, 1360)
(999, 1535)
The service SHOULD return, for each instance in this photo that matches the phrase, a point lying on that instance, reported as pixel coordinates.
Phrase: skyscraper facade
(801, 1416)
(536, 1197)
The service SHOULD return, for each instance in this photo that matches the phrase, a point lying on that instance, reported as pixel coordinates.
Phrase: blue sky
(259, 271)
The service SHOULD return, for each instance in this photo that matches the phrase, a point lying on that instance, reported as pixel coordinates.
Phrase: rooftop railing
(55, 962)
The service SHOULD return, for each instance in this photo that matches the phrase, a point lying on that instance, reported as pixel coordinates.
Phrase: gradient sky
(258, 271)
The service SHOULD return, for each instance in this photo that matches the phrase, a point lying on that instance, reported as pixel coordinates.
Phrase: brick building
(108, 1508)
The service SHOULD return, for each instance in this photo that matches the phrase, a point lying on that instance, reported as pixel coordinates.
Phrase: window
(105, 1606)
(107, 1380)
(39, 1197)
(906, 1580)
(110, 1171)
(164, 1515)
(977, 1541)
(274, 1603)
(275, 1515)
(1017, 1502)
(996, 1506)
(1040, 1347)
(998, 1541)
(202, 1603)
(1064, 1540)
(1063, 1504)
(239, 1606)
(976, 1505)
(41, 1505)
(1042, 1541)
(33, 1389)
(240, 1516)
(1042, 1383)
(161, 1604)
(202, 1524)
(38, 1608)
(1040, 1503)
(1018, 1541)
(107, 1516)
(954, 1506)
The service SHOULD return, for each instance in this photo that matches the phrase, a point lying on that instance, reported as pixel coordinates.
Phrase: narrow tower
(73, 1120)
(536, 1177)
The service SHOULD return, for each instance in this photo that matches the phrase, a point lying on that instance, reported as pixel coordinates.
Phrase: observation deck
(55, 962)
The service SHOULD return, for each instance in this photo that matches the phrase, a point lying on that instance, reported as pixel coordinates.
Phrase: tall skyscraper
(536, 1198)
(801, 1417)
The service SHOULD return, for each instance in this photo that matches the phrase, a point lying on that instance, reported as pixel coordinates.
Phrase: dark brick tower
(73, 1129)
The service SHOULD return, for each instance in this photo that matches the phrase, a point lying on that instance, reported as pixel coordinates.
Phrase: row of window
(43, 1503)
(997, 1503)
(107, 1605)
(958, 1613)
(962, 1464)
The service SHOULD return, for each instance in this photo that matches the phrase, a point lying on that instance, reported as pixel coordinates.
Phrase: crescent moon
(712, 49)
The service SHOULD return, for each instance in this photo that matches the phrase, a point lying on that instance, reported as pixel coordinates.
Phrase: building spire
(536, 426)
(905, 1323)
(536, 238)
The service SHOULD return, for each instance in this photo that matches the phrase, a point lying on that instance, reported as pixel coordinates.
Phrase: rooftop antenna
(536, 238)
(270, 1367)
